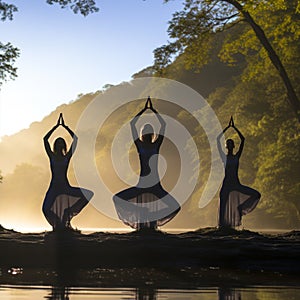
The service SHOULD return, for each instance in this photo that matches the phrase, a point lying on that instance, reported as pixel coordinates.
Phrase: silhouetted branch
(7, 11)
(8, 55)
(84, 7)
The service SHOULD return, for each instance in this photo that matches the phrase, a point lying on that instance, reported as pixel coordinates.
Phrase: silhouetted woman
(147, 205)
(62, 201)
(236, 199)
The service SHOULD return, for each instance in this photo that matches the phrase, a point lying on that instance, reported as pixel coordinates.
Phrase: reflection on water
(18, 283)
(146, 293)
(59, 293)
(229, 294)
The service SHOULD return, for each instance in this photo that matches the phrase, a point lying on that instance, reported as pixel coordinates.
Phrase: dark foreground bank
(203, 249)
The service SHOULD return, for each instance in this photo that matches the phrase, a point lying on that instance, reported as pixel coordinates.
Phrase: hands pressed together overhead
(149, 105)
(61, 121)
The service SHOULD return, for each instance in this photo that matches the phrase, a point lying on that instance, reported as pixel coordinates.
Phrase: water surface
(19, 292)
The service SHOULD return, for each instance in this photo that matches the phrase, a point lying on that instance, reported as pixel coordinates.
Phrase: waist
(60, 180)
(231, 180)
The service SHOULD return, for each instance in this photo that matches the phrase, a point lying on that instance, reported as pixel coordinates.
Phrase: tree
(9, 53)
(253, 93)
(8, 56)
(190, 30)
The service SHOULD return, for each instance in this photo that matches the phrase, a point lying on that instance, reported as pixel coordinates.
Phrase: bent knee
(258, 195)
(45, 210)
(178, 209)
(118, 197)
(175, 206)
(91, 194)
(87, 194)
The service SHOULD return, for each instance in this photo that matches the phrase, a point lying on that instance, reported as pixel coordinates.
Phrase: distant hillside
(25, 165)
(26, 171)
(270, 159)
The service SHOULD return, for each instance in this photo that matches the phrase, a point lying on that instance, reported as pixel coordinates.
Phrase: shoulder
(138, 141)
(158, 139)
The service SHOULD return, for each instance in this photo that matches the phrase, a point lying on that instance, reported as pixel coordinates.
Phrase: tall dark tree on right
(190, 29)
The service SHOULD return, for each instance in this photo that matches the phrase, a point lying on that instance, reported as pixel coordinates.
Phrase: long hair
(60, 146)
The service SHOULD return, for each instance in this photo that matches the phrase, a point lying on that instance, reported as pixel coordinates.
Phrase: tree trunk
(292, 96)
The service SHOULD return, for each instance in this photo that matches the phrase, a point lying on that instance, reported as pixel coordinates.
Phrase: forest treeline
(234, 74)
(244, 83)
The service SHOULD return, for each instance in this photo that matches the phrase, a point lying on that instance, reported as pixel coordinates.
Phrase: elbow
(132, 125)
(163, 124)
(162, 121)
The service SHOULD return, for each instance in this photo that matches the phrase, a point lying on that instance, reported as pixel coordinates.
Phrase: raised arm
(133, 122)
(73, 135)
(242, 138)
(162, 128)
(221, 152)
(46, 139)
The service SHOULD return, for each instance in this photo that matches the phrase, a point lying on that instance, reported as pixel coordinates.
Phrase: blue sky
(63, 54)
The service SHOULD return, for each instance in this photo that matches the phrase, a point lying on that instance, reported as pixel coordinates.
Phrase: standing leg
(127, 207)
(84, 198)
(50, 216)
(171, 209)
(224, 195)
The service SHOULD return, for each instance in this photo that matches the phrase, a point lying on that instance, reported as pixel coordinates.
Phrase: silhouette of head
(230, 144)
(60, 146)
(147, 133)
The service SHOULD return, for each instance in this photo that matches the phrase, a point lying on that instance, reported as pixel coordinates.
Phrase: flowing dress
(146, 205)
(62, 201)
(236, 199)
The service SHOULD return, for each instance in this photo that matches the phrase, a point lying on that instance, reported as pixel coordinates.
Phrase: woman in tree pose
(146, 205)
(62, 201)
(236, 199)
